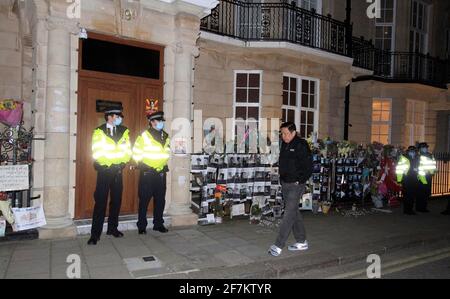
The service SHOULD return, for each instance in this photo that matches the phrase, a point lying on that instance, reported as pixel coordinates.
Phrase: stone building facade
(208, 67)
(39, 64)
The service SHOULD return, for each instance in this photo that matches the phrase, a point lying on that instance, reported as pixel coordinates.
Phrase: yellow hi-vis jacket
(150, 152)
(427, 165)
(106, 151)
(403, 167)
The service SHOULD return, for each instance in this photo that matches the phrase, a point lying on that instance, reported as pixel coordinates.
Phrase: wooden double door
(131, 91)
(132, 96)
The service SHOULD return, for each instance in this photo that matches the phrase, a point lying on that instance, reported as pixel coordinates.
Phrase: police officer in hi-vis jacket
(152, 151)
(111, 150)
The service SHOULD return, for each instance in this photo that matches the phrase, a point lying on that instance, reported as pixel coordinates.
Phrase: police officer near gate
(152, 151)
(427, 168)
(407, 171)
(111, 150)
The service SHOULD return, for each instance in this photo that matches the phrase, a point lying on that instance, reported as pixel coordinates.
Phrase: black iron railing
(278, 22)
(400, 66)
(363, 53)
(16, 148)
(287, 22)
(407, 66)
(441, 180)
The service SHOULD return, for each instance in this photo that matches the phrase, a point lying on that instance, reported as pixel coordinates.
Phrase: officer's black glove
(99, 167)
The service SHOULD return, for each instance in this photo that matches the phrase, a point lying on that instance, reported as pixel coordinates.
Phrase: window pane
(384, 139)
(253, 112)
(390, 4)
(286, 83)
(310, 118)
(385, 116)
(284, 115)
(387, 32)
(293, 98)
(303, 117)
(376, 116)
(311, 102)
(379, 32)
(303, 131)
(376, 105)
(312, 88)
(389, 16)
(254, 80)
(253, 96)
(418, 118)
(285, 98)
(241, 80)
(305, 101)
(420, 21)
(241, 112)
(293, 86)
(291, 116)
(386, 106)
(384, 129)
(241, 95)
(387, 45)
(375, 130)
(305, 86)
(310, 130)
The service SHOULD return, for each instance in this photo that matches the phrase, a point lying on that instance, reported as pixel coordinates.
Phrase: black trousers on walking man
(292, 220)
(151, 185)
(109, 182)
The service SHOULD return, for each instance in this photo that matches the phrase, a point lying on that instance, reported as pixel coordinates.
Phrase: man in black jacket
(295, 168)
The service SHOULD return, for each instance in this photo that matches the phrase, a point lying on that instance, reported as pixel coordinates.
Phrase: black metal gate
(16, 149)
(441, 180)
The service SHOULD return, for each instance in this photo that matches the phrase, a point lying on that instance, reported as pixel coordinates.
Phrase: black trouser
(410, 190)
(424, 193)
(109, 181)
(151, 184)
(292, 219)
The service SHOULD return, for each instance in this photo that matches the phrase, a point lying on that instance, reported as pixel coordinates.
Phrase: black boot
(160, 229)
(93, 241)
(115, 233)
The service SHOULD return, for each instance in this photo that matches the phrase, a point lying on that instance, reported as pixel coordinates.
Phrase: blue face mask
(411, 154)
(118, 121)
(424, 150)
(160, 126)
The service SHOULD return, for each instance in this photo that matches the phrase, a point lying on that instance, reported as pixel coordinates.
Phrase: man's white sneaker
(298, 246)
(274, 250)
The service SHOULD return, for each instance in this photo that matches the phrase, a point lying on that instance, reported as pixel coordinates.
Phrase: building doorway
(117, 70)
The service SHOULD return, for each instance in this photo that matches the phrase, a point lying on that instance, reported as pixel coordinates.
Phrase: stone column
(56, 157)
(187, 28)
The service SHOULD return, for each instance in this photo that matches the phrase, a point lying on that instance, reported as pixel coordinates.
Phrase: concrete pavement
(234, 249)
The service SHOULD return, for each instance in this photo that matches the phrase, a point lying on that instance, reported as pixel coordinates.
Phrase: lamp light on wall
(83, 33)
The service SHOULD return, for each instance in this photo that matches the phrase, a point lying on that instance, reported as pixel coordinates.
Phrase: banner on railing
(14, 178)
(28, 218)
